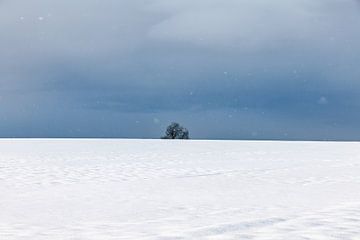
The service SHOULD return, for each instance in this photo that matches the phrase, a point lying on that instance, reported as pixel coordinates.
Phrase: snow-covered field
(159, 189)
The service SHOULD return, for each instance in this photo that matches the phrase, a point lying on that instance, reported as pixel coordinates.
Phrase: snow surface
(161, 189)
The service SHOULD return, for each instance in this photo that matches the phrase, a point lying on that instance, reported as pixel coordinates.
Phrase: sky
(234, 69)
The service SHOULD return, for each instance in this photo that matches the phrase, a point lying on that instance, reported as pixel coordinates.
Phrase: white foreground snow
(160, 189)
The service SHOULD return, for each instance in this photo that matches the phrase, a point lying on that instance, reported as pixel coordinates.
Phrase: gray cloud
(109, 64)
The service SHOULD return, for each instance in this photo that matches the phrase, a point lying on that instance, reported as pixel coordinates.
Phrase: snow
(162, 189)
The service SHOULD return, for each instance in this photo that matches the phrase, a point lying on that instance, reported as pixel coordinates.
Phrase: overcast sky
(233, 69)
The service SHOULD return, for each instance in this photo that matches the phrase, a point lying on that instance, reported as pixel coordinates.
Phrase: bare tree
(176, 131)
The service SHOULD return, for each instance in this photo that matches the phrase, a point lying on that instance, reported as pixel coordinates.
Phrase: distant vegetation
(176, 131)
